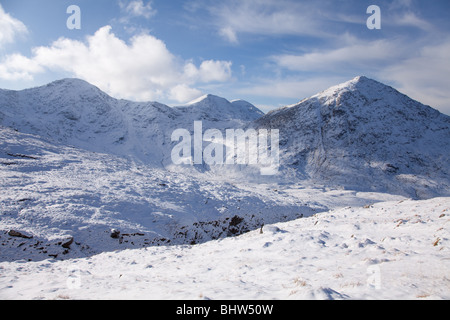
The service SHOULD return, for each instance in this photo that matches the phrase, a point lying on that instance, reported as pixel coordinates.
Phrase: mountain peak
(210, 106)
(359, 83)
(208, 98)
(70, 82)
(72, 87)
(363, 129)
(361, 79)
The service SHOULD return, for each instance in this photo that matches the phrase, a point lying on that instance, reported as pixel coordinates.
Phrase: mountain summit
(211, 107)
(364, 134)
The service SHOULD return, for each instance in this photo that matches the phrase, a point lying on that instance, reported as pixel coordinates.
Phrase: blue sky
(269, 52)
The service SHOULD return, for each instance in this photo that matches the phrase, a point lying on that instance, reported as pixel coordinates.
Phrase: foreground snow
(389, 250)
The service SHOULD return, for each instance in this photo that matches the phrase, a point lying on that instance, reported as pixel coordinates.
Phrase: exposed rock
(67, 244)
(115, 234)
(14, 233)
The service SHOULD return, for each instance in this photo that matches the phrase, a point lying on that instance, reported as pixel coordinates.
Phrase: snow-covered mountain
(74, 112)
(76, 163)
(217, 109)
(360, 134)
(52, 193)
(365, 135)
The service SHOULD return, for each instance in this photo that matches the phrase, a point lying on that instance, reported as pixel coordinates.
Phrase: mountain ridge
(215, 108)
(357, 134)
(75, 112)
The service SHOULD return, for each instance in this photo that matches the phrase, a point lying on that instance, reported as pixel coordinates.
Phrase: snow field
(389, 250)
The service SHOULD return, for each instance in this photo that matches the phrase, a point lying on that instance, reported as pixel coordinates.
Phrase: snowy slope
(365, 135)
(389, 250)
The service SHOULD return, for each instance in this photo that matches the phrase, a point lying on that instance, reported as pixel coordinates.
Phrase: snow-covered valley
(59, 193)
(91, 205)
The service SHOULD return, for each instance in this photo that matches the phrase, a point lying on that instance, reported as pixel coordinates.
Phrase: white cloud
(296, 89)
(211, 70)
(18, 67)
(229, 34)
(267, 17)
(143, 69)
(424, 77)
(410, 19)
(10, 27)
(357, 55)
(183, 93)
(137, 8)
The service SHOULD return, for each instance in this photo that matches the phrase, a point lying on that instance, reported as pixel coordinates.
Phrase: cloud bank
(142, 69)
